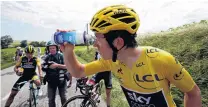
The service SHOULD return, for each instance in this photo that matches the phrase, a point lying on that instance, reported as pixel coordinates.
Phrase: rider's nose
(95, 43)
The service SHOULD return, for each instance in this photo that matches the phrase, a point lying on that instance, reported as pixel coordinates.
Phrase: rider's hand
(19, 71)
(53, 66)
(66, 47)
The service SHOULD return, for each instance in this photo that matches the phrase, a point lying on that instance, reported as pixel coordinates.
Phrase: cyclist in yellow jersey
(145, 73)
(25, 67)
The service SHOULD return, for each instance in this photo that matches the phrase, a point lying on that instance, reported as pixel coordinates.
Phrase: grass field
(8, 54)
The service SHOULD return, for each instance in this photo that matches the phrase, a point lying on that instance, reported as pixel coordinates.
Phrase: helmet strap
(115, 50)
(110, 40)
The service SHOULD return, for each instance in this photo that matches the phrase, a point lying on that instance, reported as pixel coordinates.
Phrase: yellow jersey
(147, 83)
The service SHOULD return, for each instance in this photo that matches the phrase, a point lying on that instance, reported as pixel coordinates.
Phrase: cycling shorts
(23, 78)
(106, 75)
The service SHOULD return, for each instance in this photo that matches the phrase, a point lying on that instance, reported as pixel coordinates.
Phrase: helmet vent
(91, 21)
(107, 24)
(95, 22)
(134, 26)
(107, 12)
(120, 15)
(102, 22)
(94, 30)
(127, 20)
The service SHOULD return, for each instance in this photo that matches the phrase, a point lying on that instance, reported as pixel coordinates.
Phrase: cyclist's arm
(77, 69)
(39, 67)
(178, 76)
(18, 64)
(193, 98)
(15, 68)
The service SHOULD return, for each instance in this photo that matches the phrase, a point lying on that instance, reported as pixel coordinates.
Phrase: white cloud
(155, 15)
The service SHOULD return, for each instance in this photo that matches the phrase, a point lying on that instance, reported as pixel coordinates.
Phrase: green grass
(80, 48)
(84, 54)
(7, 64)
(8, 54)
(7, 57)
(81, 60)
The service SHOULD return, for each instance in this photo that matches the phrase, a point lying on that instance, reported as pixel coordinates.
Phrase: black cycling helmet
(29, 49)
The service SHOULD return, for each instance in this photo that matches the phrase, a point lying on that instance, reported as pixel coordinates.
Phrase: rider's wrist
(57, 65)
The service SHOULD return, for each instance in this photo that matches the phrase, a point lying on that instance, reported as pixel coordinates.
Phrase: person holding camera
(55, 74)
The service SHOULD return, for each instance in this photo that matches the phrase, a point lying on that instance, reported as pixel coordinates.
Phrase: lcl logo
(140, 64)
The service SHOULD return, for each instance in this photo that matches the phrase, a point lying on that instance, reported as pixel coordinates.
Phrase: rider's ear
(118, 43)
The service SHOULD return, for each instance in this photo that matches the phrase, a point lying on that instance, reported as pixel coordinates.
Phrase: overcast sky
(38, 20)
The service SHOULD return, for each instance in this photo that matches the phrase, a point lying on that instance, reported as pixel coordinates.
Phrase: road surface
(8, 78)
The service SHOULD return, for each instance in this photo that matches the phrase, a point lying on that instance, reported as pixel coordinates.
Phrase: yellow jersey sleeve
(19, 62)
(176, 73)
(38, 62)
(97, 66)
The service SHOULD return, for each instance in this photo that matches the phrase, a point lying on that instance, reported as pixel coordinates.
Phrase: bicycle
(33, 93)
(90, 98)
(81, 82)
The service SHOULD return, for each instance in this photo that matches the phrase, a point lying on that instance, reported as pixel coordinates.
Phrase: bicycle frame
(92, 91)
(32, 93)
(81, 83)
(90, 97)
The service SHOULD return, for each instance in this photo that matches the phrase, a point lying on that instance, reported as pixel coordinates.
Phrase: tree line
(7, 40)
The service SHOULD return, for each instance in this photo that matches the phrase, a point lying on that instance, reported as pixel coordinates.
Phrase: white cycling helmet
(18, 47)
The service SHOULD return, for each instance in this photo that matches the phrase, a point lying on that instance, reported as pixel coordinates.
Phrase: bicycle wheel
(32, 99)
(79, 101)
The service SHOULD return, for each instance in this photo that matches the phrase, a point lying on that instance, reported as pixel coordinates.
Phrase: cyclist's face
(102, 45)
(52, 49)
(29, 55)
